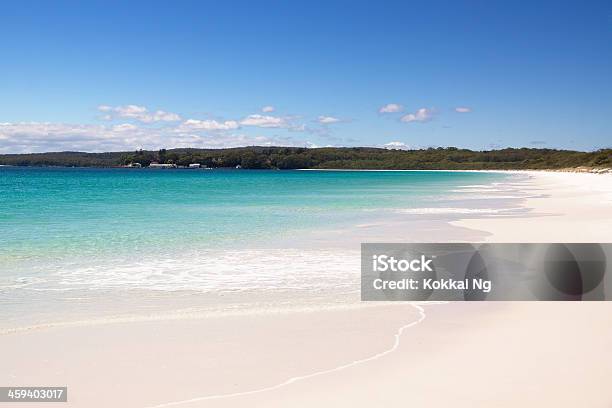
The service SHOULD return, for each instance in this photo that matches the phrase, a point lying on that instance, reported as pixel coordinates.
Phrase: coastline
(569, 207)
(593, 170)
(240, 360)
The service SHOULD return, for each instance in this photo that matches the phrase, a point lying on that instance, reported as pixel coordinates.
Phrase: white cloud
(421, 115)
(27, 137)
(139, 113)
(391, 108)
(463, 109)
(160, 115)
(396, 146)
(274, 122)
(268, 109)
(326, 120)
(124, 127)
(211, 125)
(43, 136)
(264, 121)
(128, 130)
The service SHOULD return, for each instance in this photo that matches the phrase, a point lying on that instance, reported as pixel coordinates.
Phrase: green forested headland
(328, 158)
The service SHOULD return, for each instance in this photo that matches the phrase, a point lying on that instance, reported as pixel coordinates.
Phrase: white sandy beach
(352, 354)
(568, 207)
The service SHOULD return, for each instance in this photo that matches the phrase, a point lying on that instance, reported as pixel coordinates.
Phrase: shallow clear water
(125, 229)
(67, 213)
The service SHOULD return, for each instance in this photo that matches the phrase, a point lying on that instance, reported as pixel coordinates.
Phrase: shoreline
(591, 170)
(594, 170)
(568, 207)
(318, 267)
(332, 245)
(526, 200)
(307, 356)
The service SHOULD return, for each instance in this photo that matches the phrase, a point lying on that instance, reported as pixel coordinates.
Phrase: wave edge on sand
(394, 346)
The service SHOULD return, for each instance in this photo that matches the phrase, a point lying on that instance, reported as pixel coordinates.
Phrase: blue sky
(116, 76)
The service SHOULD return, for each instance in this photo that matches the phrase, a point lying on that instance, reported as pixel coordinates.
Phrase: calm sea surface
(119, 229)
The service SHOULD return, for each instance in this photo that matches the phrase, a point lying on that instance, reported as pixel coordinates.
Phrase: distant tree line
(329, 157)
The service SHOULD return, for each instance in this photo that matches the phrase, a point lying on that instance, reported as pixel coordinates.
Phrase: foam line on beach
(292, 380)
(452, 210)
(240, 310)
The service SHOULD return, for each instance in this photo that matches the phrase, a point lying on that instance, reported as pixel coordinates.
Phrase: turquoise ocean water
(119, 229)
(54, 214)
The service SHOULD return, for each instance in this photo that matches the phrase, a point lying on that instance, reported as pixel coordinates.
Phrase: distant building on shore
(195, 165)
(155, 165)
